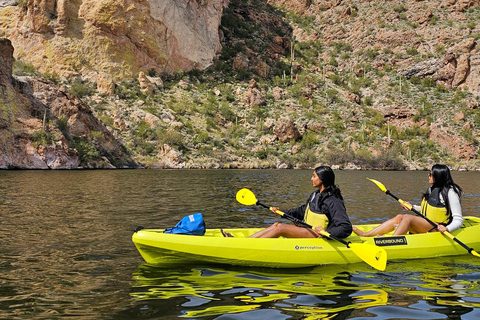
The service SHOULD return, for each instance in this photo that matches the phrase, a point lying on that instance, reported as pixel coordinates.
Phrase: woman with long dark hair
(323, 210)
(440, 204)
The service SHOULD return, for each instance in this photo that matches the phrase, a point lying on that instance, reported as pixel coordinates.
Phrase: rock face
(285, 130)
(113, 37)
(6, 62)
(44, 127)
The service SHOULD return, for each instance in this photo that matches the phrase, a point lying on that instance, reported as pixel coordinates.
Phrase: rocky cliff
(110, 40)
(44, 127)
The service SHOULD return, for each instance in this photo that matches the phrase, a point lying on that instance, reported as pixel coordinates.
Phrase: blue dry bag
(192, 224)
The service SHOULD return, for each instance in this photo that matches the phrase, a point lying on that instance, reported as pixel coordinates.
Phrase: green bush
(368, 101)
(309, 140)
(172, 138)
(85, 149)
(341, 47)
(146, 148)
(261, 154)
(429, 82)
(412, 51)
(333, 62)
(339, 157)
(143, 131)
(364, 158)
(306, 158)
(80, 89)
(389, 159)
(21, 68)
(201, 137)
(42, 138)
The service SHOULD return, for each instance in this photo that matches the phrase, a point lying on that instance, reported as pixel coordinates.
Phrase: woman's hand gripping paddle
(371, 254)
(411, 208)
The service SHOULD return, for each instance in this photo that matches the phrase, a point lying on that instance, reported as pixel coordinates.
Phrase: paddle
(410, 207)
(371, 254)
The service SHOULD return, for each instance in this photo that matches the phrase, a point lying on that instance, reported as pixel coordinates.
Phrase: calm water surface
(66, 250)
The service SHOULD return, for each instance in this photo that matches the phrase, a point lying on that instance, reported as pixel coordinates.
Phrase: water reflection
(245, 292)
(417, 290)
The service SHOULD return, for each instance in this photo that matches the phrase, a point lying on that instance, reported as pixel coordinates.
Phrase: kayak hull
(157, 247)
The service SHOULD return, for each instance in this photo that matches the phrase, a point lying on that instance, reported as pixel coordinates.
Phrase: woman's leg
(284, 230)
(385, 227)
(260, 233)
(413, 224)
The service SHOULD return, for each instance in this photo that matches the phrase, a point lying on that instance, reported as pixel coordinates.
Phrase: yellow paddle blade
(246, 197)
(475, 253)
(379, 184)
(371, 254)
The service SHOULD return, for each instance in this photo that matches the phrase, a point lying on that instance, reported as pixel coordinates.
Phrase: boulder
(285, 131)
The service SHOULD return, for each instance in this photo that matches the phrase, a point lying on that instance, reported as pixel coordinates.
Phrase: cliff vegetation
(290, 84)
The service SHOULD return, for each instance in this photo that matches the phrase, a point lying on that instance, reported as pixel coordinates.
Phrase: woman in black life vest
(440, 204)
(324, 210)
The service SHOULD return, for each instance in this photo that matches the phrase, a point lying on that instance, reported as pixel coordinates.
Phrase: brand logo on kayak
(308, 248)
(391, 241)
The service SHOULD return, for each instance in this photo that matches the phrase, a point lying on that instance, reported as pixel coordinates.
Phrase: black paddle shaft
(304, 224)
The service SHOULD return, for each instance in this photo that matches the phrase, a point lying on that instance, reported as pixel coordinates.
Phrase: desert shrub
(368, 101)
(260, 112)
(364, 158)
(21, 68)
(414, 132)
(142, 130)
(171, 137)
(338, 156)
(309, 140)
(389, 159)
(130, 90)
(261, 154)
(412, 51)
(81, 89)
(227, 113)
(201, 137)
(341, 47)
(42, 138)
(429, 82)
(306, 158)
(212, 123)
(333, 95)
(440, 49)
(468, 135)
(85, 149)
(146, 148)
(333, 62)
(371, 53)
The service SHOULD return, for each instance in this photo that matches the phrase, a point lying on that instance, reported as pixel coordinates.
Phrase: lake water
(66, 250)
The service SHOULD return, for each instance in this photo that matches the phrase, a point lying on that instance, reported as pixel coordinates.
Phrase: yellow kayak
(157, 247)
